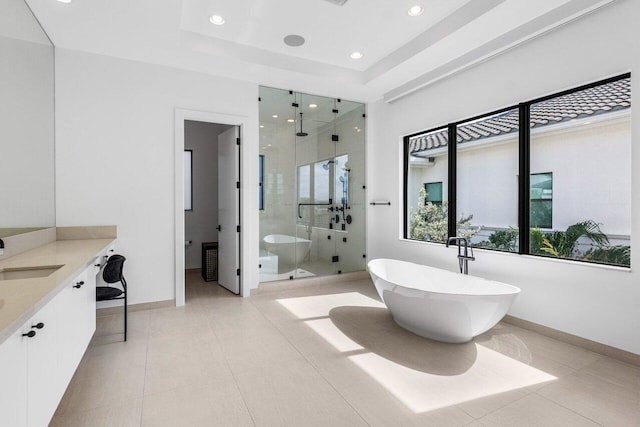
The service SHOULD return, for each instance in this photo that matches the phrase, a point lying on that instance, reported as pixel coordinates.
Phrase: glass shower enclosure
(312, 185)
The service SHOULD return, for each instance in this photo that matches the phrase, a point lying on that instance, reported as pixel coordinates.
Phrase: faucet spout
(463, 252)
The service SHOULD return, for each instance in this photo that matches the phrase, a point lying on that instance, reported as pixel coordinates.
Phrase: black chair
(112, 273)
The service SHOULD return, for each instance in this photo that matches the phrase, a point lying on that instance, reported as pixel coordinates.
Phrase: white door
(228, 210)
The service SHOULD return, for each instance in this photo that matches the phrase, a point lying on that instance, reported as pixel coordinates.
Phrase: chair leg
(125, 316)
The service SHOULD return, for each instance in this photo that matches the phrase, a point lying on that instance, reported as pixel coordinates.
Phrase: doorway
(211, 206)
(230, 130)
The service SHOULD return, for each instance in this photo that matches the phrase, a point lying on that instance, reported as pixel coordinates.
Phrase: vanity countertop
(22, 298)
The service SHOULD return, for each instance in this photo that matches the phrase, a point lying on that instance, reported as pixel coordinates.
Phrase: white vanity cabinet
(13, 380)
(38, 361)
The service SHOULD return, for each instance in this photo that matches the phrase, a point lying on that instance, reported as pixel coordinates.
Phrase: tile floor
(329, 354)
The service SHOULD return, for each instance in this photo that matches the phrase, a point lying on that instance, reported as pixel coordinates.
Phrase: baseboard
(596, 347)
(108, 311)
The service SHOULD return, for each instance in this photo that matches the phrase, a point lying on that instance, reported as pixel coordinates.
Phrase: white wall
(115, 156)
(594, 302)
(200, 223)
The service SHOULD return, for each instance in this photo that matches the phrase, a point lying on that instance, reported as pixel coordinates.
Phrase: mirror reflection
(27, 185)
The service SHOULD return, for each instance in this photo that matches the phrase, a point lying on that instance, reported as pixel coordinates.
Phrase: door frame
(247, 201)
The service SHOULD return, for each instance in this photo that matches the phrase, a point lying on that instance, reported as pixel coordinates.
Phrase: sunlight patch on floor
(334, 336)
(321, 305)
(490, 373)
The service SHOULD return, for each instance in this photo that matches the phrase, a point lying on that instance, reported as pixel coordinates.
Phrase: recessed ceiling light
(275, 116)
(415, 10)
(269, 145)
(261, 126)
(216, 20)
(290, 120)
(356, 55)
(313, 105)
(64, 1)
(294, 40)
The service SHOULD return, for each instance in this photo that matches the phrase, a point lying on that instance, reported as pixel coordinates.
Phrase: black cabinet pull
(38, 326)
(30, 334)
(78, 285)
(97, 265)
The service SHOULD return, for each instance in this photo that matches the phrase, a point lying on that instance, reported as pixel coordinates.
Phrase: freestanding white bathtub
(439, 304)
(291, 250)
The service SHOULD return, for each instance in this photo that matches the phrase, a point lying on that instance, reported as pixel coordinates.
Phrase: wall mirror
(27, 175)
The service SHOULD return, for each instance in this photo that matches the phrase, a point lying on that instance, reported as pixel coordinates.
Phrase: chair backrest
(112, 272)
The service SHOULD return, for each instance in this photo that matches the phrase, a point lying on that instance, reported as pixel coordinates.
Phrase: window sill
(532, 257)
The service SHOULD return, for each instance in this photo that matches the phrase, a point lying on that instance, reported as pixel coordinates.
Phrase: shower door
(312, 190)
(330, 183)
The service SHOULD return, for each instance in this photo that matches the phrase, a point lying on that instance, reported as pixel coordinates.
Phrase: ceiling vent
(337, 2)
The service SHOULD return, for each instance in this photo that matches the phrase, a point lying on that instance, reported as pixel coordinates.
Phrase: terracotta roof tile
(594, 101)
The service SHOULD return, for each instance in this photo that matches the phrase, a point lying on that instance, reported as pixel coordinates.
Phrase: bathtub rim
(295, 239)
(514, 289)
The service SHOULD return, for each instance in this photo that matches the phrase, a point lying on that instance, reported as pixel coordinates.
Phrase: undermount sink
(28, 272)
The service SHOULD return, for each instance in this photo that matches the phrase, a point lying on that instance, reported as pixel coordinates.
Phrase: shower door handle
(219, 228)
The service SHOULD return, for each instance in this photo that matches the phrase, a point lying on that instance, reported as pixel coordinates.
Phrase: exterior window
(261, 182)
(482, 187)
(426, 158)
(321, 181)
(304, 182)
(341, 182)
(188, 180)
(433, 193)
(487, 150)
(541, 200)
(584, 136)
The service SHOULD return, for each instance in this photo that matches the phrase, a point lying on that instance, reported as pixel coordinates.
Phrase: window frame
(524, 165)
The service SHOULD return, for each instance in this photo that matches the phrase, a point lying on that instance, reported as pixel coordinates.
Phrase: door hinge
(237, 141)
(238, 228)
(335, 258)
(335, 138)
(238, 184)
(335, 111)
(294, 105)
(237, 272)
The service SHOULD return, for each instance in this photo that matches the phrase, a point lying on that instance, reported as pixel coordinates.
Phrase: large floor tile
(613, 371)
(259, 346)
(294, 394)
(174, 362)
(535, 411)
(540, 346)
(202, 405)
(123, 414)
(595, 398)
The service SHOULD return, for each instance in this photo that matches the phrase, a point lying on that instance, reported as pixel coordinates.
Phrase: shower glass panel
(314, 225)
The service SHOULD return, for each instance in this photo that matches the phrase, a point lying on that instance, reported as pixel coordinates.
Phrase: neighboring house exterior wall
(590, 162)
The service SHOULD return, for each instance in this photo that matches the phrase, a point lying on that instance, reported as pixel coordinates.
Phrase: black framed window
(261, 182)
(426, 161)
(497, 186)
